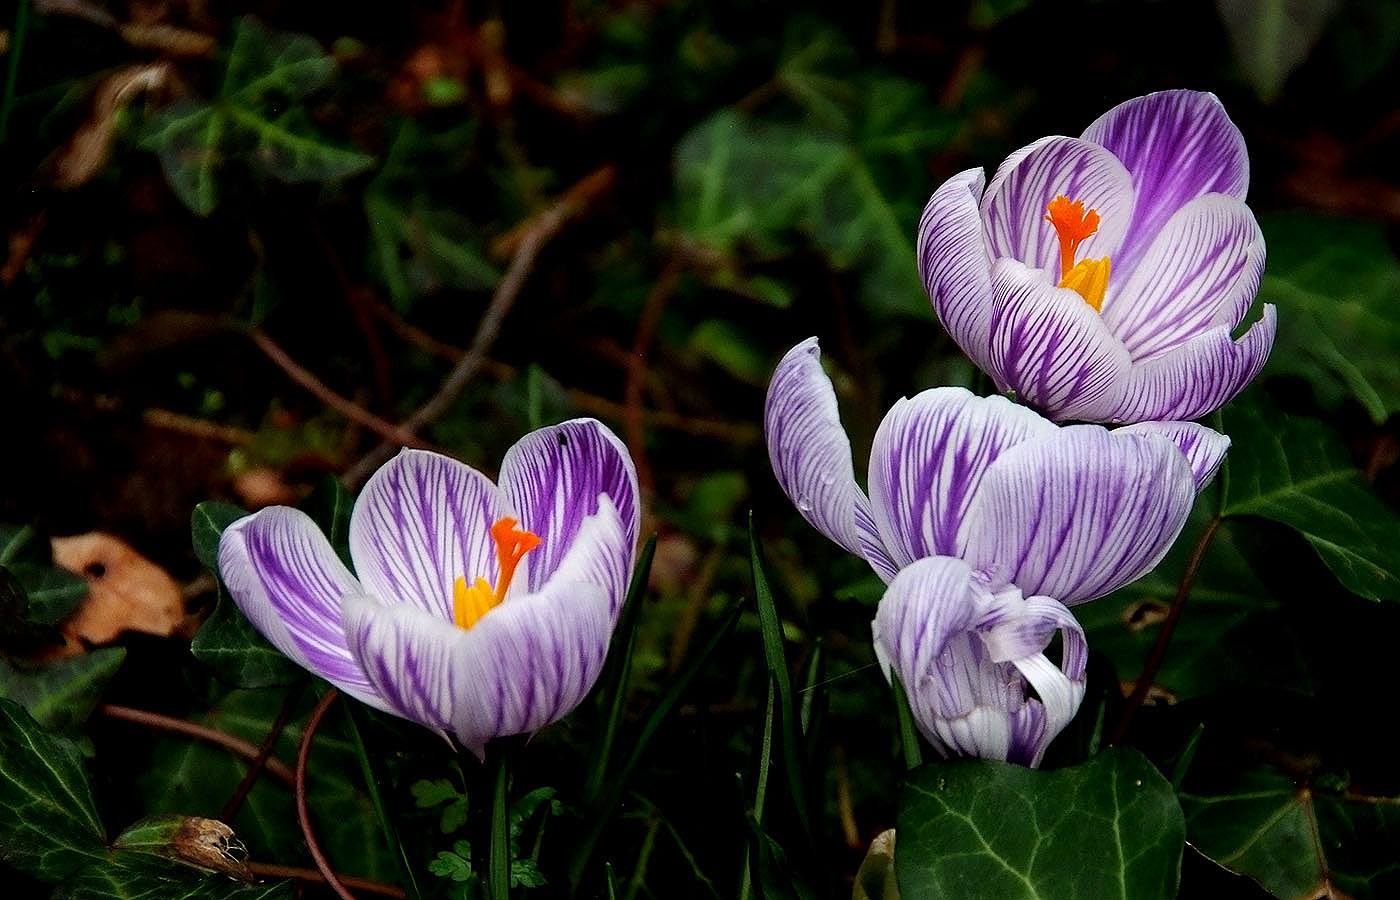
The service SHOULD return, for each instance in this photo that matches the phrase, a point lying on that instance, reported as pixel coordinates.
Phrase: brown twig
(1164, 637)
(303, 811)
(246, 749)
(272, 870)
(637, 368)
(166, 420)
(250, 778)
(733, 432)
(341, 404)
(541, 228)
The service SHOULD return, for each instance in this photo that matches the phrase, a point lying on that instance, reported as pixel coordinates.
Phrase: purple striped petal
(1080, 514)
(1177, 145)
(525, 664)
(1201, 270)
(423, 521)
(955, 262)
(939, 629)
(288, 581)
(811, 456)
(1197, 377)
(927, 462)
(1051, 347)
(554, 479)
(1013, 209)
(1203, 447)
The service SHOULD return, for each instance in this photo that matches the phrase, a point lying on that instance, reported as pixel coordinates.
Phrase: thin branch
(343, 405)
(303, 811)
(272, 870)
(1158, 655)
(732, 432)
(279, 724)
(527, 248)
(246, 749)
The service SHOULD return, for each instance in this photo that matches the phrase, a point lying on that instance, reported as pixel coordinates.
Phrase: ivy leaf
(974, 829)
(207, 524)
(229, 644)
(1299, 839)
(62, 694)
(140, 876)
(49, 825)
(745, 181)
(1295, 471)
(1226, 600)
(50, 593)
(255, 117)
(418, 249)
(1339, 325)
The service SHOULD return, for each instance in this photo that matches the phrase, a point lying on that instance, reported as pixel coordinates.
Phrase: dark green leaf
(139, 876)
(53, 593)
(1226, 599)
(1295, 471)
(186, 138)
(229, 644)
(262, 62)
(1299, 841)
(771, 628)
(60, 695)
(1108, 829)
(207, 524)
(330, 504)
(49, 825)
(1335, 282)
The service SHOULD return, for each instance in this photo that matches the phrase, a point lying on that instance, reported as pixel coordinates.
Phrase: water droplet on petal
(804, 505)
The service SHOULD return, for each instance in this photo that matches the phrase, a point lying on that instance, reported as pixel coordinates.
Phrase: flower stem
(498, 863)
(1158, 654)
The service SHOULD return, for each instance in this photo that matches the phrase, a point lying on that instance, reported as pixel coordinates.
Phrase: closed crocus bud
(967, 656)
(478, 609)
(1101, 278)
(1073, 512)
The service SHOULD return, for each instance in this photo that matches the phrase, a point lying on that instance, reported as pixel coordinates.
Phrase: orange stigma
(471, 602)
(1074, 224)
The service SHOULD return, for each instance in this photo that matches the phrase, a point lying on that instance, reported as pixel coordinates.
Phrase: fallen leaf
(126, 591)
(87, 152)
(262, 486)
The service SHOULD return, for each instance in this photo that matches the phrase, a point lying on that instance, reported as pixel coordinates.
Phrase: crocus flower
(965, 655)
(1071, 512)
(480, 609)
(1102, 277)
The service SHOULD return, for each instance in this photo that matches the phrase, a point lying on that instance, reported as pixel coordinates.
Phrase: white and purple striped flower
(1101, 277)
(965, 656)
(984, 519)
(480, 609)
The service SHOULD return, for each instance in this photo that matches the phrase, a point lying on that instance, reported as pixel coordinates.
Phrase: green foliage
(61, 695)
(138, 876)
(743, 182)
(1295, 471)
(1335, 282)
(49, 827)
(194, 778)
(1227, 603)
(1299, 838)
(227, 642)
(442, 793)
(50, 593)
(254, 116)
(974, 829)
(1273, 37)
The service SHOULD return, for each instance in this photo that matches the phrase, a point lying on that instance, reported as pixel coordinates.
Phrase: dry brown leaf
(92, 142)
(126, 591)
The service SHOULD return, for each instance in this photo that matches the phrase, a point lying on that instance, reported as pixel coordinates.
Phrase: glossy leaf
(138, 876)
(49, 825)
(1299, 840)
(1108, 829)
(60, 695)
(1295, 471)
(1338, 324)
